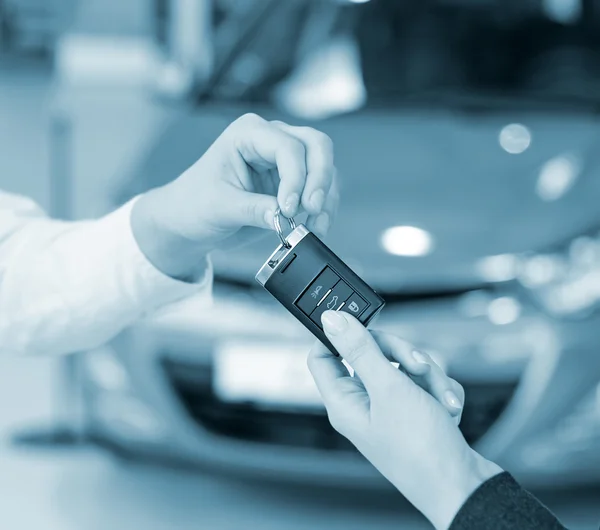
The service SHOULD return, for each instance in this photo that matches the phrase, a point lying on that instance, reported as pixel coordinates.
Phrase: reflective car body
(481, 131)
(531, 379)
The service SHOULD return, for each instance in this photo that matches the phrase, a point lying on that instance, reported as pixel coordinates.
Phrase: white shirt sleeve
(71, 286)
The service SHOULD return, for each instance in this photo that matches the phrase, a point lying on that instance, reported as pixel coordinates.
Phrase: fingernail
(334, 322)
(317, 200)
(291, 204)
(321, 225)
(452, 399)
(269, 215)
(419, 357)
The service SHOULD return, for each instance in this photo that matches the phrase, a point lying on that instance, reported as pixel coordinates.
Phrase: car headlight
(566, 282)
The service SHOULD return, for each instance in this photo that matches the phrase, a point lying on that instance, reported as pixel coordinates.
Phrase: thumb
(356, 345)
(252, 209)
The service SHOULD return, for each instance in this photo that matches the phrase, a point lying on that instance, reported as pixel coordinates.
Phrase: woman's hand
(406, 428)
(253, 168)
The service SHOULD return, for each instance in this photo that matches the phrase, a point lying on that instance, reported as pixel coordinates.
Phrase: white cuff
(72, 286)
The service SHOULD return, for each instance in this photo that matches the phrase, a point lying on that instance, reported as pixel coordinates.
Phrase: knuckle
(359, 346)
(325, 141)
(253, 211)
(250, 118)
(320, 139)
(293, 150)
(296, 146)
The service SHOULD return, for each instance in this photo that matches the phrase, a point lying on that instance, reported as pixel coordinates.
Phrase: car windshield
(482, 53)
(446, 52)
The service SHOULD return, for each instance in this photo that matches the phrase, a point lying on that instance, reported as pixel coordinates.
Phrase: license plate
(269, 374)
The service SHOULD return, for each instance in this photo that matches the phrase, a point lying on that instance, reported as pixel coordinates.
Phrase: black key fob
(307, 278)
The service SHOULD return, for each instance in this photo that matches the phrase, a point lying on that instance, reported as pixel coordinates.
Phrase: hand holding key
(253, 168)
(406, 426)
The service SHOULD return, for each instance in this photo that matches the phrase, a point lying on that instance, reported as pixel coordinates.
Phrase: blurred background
(467, 139)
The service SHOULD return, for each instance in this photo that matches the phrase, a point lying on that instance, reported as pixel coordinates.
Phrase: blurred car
(476, 219)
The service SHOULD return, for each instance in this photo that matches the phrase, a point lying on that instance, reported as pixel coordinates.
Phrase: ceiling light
(328, 82)
(515, 138)
(407, 241)
(563, 11)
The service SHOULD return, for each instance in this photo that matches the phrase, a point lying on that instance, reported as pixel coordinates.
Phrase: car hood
(442, 171)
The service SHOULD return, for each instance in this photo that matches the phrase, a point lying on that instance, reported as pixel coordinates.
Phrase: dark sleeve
(501, 504)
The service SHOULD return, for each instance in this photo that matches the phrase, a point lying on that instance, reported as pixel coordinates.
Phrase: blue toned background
(467, 141)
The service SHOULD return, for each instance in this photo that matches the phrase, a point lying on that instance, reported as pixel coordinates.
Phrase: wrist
(171, 253)
(458, 485)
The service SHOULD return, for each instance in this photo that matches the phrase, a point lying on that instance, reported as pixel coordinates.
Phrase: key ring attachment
(277, 223)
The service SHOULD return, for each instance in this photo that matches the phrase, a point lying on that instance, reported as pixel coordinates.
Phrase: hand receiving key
(405, 425)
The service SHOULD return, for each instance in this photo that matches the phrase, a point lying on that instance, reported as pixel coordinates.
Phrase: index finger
(264, 144)
(424, 371)
(319, 165)
(320, 223)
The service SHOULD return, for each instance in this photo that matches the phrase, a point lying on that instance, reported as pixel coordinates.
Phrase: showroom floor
(85, 489)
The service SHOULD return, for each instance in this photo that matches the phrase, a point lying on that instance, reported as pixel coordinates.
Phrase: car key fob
(307, 278)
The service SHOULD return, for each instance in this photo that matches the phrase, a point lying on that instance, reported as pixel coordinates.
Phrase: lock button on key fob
(307, 278)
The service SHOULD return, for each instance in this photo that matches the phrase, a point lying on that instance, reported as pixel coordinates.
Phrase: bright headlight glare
(567, 283)
(578, 295)
(504, 310)
(500, 268)
(585, 252)
(407, 241)
(541, 270)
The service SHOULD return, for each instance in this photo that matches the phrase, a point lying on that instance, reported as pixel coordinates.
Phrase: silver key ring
(277, 222)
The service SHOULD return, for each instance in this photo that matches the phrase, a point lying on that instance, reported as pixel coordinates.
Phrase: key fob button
(308, 278)
(323, 283)
(333, 302)
(355, 305)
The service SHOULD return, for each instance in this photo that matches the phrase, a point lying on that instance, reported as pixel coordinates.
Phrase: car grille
(192, 384)
(249, 421)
